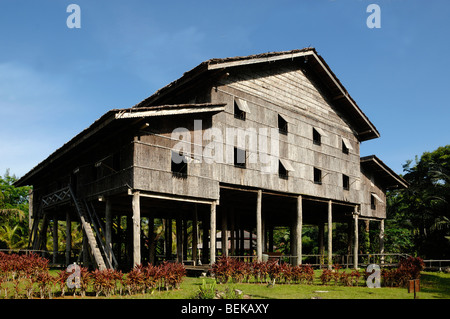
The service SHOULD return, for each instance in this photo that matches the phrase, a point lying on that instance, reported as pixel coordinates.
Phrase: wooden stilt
(232, 233)
(68, 237)
(152, 241)
(195, 235)
(298, 232)
(355, 237)
(330, 234)
(213, 234)
(205, 240)
(55, 238)
(168, 238)
(258, 226)
(136, 229)
(108, 230)
(321, 243)
(382, 240)
(179, 232)
(224, 239)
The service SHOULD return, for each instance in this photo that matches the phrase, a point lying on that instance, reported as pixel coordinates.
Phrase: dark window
(238, 113)
(282, 171)
(239, 157)
(282, 125)
(316, 137)
(317, 176)
(372, 202)
(344, 148)
(178, 165)
(346, 182)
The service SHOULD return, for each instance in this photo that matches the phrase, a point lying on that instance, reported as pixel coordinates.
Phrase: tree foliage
(13, 213)
(419, 217)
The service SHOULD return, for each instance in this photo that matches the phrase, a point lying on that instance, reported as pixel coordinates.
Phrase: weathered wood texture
(286, 91)
(153, 158)
(370, 187)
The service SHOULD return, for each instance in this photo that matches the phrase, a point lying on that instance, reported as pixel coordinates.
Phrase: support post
(298, 231)
(205, 240)
(30, 210)
(212, 236)
(258, 226)
(185, 238)
(168, 238)
(136, 229)
(195, 236)
(232, 233)
(68, 237)
(356, 244)
(382, 241)
(330, 234)
(179, 232)
(55, 238)
(108, 230)
(151, 238)
(321, 243)
(224, 238)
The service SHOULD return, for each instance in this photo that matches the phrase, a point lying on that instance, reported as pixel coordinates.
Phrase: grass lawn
(433, 286)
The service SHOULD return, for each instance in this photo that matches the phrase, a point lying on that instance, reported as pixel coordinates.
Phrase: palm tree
(11, 237)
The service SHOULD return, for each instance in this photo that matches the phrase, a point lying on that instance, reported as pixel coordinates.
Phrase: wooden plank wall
(288, 92)
(369, 185)
(152, 161)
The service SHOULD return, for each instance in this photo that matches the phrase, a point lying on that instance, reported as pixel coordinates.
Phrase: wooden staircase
(86, 223)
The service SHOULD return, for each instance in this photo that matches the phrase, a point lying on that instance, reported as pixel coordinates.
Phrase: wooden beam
(224, 238)
(108, 230)
(382, 240)
(355, 237)
(298, 231)
(179, 233)
(330, 234)
(195, 235)
(222, 65)
(151, 238)
(176, 198)
(136, 229)
(258, 226)
(55, 237)
(68, 237)
(212, 237)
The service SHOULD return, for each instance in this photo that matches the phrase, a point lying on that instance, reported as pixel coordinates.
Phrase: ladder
(86, 223)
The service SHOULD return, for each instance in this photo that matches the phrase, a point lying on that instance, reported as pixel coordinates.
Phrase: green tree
(420, 215)
(13, 213)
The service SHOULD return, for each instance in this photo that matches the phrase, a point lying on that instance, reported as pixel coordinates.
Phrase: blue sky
(55, 81)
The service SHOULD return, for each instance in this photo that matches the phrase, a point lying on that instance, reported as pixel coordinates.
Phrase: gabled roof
(339, 96)
(114, 119)
(388, 177)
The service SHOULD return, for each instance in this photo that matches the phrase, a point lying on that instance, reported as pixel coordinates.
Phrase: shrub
(172, 274)
(104, 281)
(223, 269)
(326, 276)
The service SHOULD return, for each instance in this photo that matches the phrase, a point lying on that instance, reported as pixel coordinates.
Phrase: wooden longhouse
(123, 167)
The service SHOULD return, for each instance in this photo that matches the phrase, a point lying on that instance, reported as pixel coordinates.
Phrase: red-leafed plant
(326, 276)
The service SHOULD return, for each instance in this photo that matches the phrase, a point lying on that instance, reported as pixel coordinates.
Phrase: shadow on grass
(435, 283)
